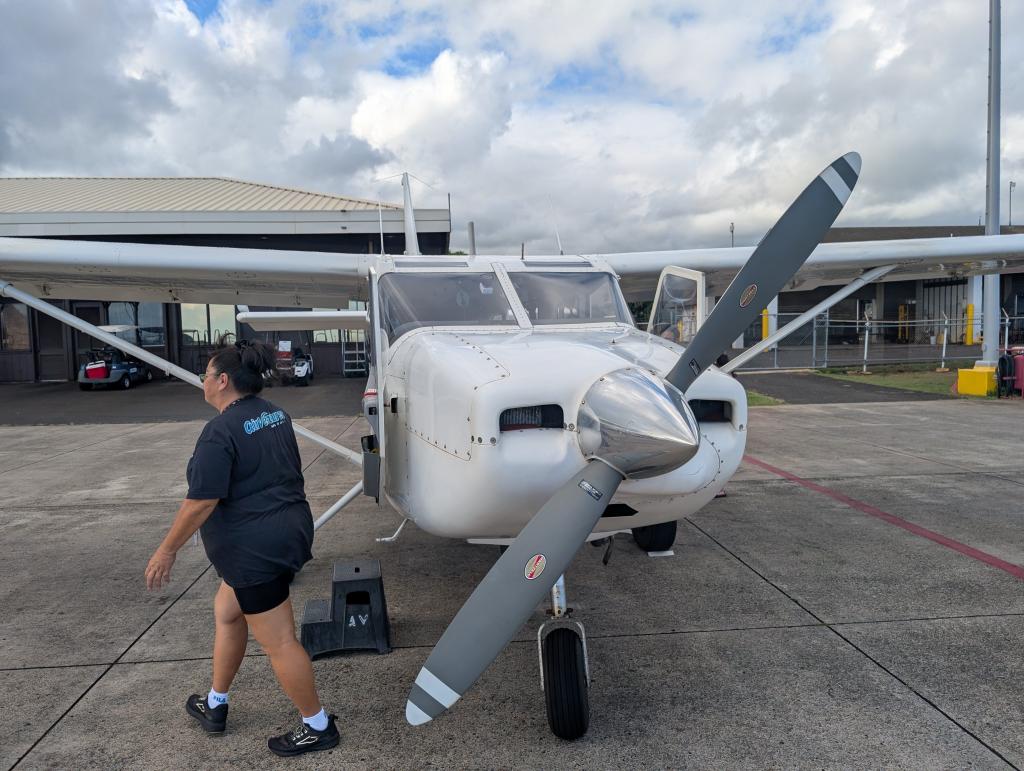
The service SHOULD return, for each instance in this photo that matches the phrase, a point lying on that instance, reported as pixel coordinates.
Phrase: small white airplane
(512, 400)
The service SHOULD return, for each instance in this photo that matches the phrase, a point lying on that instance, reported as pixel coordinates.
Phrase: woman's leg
(275, 631)
(230, 637)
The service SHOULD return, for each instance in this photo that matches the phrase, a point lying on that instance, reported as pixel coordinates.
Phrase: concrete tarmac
(854, 601)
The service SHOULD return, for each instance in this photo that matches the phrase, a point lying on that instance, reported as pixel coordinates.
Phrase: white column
(975, 296)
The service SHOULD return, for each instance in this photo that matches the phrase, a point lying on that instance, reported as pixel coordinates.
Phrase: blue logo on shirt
(264, 420)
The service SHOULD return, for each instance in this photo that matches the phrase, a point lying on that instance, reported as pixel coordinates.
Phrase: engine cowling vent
(540, 416)
(711, 410)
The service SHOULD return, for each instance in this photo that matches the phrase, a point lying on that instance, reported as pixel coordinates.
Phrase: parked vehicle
(110, 367)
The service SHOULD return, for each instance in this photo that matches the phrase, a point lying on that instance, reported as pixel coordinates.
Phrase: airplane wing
(59, 269)
(832, 262)
(97, 270)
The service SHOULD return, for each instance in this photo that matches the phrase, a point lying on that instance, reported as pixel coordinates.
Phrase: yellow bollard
(764, 324)
(969, 333)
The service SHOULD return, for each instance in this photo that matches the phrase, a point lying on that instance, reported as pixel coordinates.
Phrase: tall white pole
(990, 320)
(472, 238)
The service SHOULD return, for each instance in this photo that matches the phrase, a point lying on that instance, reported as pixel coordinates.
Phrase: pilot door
(374, 457)
(679, 305)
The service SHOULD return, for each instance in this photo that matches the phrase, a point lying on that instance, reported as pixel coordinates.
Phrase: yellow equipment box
(980, 381)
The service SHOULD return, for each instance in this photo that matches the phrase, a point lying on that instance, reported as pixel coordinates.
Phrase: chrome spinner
(637, 423)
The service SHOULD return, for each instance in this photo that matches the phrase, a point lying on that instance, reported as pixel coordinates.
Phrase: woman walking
(246, 497)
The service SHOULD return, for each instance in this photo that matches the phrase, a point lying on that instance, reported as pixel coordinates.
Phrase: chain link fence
(831, 342)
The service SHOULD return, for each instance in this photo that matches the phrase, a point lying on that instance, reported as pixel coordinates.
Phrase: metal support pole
(990, 313)
(945, 340)
(344, 501)
(827, 317)
(1006, 333)
(867, 337)
(7, 290)
(472, 238)
(814, 342)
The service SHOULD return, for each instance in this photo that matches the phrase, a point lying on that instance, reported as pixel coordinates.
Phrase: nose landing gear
(565, 673)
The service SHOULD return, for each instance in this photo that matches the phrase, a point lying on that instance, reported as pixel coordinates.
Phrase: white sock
(215, 699)
(317, 722)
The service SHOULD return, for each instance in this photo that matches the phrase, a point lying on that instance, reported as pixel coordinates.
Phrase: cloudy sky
(642, 125)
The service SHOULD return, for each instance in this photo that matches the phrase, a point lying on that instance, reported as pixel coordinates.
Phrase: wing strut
(343, 501)
(7, 290)
(872, 275)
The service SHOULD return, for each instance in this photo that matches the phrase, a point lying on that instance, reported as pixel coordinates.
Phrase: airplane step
(354, 618)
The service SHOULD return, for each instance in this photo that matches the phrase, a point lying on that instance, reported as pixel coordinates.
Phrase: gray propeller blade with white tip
(774, 262)
(510, 592)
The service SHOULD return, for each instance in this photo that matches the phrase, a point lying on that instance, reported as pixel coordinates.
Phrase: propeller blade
(775, 261)
(510, 592)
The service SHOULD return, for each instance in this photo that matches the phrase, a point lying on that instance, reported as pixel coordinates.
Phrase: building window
(138, 323)
(335, 335)
(151, 324)
(204, 324)
(14, 327)
(222, 322)
(195, 325)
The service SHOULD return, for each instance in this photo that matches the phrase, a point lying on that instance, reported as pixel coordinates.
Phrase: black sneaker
(212, 720)
(305, 739)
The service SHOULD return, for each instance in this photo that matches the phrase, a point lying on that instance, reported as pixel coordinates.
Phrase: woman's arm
(191, 515)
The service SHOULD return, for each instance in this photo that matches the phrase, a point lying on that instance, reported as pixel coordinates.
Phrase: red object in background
(98, 370)
(1018, 373)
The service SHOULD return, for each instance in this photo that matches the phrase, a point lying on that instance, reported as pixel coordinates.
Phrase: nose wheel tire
(658, 537)
(565, 683)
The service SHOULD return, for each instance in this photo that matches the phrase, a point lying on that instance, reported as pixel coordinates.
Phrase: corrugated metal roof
(163, 194)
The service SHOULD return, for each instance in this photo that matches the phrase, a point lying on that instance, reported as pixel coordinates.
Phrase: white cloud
(651, 124)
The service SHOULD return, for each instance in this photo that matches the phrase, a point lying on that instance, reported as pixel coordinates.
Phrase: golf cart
(111, 367)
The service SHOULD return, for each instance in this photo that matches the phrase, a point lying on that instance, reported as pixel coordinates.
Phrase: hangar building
(199, 211)
(212, 211)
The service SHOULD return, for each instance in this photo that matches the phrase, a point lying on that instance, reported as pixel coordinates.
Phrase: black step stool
(355, 618)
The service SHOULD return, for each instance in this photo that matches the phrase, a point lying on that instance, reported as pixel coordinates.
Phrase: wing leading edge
(833, 262)
(98, 270)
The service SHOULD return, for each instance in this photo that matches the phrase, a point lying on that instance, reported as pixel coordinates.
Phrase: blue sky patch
(600, 76)
(202, 9)
(791, 31)
(310, 28)
(415, 58)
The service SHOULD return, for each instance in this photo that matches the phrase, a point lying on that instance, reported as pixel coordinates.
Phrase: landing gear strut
(565, 675)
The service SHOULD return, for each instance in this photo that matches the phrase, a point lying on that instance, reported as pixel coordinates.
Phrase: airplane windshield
(412, 300)
(569, 298)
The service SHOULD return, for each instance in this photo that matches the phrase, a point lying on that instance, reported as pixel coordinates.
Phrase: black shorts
(263, 597)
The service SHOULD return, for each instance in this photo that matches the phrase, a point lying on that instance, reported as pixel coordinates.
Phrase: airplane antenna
(412, 245)
(554, 224)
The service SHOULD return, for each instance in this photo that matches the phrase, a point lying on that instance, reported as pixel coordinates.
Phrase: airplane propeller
(775, 261)
(632, 425)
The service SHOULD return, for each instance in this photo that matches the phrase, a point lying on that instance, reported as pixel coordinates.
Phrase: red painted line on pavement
(969, 551)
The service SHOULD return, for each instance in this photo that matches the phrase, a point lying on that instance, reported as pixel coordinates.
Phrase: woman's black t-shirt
(262, 527)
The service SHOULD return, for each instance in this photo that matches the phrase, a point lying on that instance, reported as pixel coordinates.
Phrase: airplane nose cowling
(638, 424)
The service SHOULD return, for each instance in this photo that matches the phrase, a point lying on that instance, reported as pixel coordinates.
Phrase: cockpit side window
(413, 300)
(569, 298)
